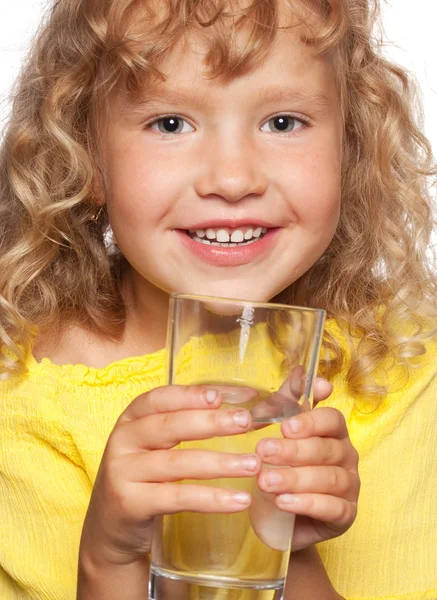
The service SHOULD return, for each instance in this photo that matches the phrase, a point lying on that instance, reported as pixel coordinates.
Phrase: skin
(139, 461)
(225, 164)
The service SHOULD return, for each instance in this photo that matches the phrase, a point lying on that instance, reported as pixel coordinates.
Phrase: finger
(337, 512)
(285, 401)
(323, 422)
(294, 386)
(168, 429)
(322, 389)
(175, 465)
(306, 452)
(331, 480)
(170, 498)
(173, 398)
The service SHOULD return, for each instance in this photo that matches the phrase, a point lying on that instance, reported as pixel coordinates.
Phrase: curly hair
(55, 267)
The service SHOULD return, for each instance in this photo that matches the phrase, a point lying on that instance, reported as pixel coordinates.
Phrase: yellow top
(55, 421)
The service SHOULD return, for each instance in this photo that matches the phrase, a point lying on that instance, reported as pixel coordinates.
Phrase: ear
(97, 195)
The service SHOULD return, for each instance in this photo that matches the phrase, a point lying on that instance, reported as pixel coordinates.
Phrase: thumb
(322, 389)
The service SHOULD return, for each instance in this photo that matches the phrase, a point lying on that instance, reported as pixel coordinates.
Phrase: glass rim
(246, 303)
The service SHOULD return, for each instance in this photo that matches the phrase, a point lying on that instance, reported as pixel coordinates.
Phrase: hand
(139, 468)
(319, 480)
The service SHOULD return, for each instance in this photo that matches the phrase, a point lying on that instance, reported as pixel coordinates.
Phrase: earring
(96, 214)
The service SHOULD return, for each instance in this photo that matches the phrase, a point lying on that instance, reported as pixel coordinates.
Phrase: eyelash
(156, 120)
(304, 121)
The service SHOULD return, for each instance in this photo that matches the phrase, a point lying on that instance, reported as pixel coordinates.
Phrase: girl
(257, 151)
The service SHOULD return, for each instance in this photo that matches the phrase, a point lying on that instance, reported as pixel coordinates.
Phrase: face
(231, 190)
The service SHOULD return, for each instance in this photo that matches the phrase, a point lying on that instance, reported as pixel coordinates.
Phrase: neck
(146, 313)
(144, 333)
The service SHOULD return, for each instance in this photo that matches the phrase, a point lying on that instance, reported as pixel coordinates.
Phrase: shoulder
(410, 401)
(417, 364)
(72, 408)
(30, 410)
(46, 413)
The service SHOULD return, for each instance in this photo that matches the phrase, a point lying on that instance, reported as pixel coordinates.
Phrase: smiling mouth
(226, 237)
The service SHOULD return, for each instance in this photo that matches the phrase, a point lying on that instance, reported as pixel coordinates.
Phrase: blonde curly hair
(54, 265)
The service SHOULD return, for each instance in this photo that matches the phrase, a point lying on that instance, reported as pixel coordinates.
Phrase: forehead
(232, 39)
(289, 70)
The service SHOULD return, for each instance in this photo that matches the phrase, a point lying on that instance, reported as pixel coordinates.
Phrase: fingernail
(241, 498)
(295, 425)
(250, 463)
(321, 380)
(241, 418)
(287, 499)
(270, 447)
(273, 478)
(211, 396)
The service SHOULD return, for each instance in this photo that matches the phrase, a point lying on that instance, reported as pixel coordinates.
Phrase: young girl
(258, 151)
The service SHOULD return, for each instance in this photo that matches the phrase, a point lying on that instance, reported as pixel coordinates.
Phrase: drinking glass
(272, 349)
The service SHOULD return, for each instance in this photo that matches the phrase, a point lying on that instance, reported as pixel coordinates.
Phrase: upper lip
(230, 223)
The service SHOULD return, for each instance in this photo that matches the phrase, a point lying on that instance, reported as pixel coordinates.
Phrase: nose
(231, 171)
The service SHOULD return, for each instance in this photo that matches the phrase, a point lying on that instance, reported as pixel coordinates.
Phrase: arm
(129, 581)
(140, 478)
(307, 578)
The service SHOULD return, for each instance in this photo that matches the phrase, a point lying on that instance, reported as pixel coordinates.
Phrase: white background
(409, 26)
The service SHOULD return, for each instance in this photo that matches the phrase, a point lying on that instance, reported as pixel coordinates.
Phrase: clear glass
(272, 349)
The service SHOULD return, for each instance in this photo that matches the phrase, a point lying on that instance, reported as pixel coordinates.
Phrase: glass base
(164, 585)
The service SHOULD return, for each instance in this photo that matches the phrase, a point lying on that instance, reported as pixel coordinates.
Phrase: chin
(233, 290)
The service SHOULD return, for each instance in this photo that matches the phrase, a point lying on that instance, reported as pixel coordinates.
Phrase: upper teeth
(226, 235)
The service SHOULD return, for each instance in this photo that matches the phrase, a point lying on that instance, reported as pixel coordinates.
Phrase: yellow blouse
(55, 421)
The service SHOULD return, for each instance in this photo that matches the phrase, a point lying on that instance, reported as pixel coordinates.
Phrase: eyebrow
(169, 96)
(316, 99)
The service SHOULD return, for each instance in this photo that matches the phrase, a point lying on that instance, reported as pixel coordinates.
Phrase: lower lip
(229, 257)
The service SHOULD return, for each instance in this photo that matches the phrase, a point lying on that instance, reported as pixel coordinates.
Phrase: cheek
(140, 189)
(316, 190)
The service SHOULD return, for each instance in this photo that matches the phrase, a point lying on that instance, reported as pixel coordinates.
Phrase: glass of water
(272, 349)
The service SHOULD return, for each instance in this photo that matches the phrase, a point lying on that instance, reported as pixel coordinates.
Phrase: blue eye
(282, 124)
(171, 124)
